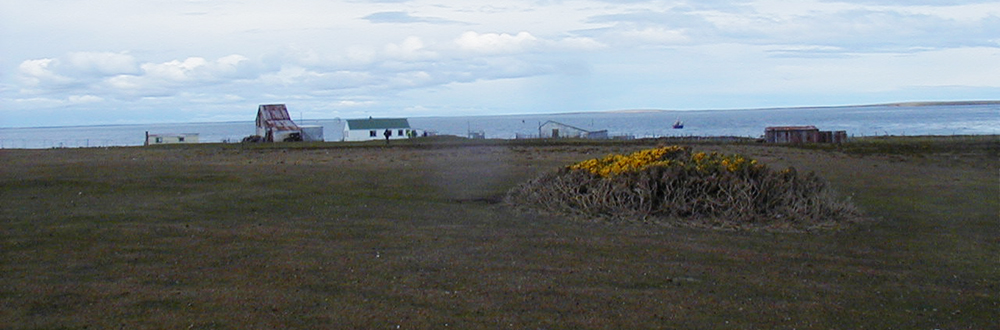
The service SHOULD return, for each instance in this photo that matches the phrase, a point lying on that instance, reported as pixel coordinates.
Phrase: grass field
(414, 236)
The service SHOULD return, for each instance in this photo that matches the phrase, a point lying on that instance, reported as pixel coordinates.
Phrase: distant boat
(678, 124)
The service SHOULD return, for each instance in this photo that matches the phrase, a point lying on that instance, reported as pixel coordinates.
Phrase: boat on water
(678, 124)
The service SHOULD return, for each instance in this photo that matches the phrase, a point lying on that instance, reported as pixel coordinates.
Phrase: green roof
(377, 123)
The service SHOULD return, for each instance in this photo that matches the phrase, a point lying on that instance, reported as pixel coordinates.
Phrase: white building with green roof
(377, 129)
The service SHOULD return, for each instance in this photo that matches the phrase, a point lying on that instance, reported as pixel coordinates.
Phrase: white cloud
(195, 69)
(401, 17)
(496, 43)
(864, 72)
(124, 82)
(656, 35)
(522, 42)
(49, 102)
(85, 99)
(352, 104)
(177, 71)
(37, 102)
(411, 79)
(231, 62)
(360, 55)
(410, 49)
(105, 75)
(578, 43)
(844, 24)
(40, 72)
(290, 75)
(172, 77)
(103, 63)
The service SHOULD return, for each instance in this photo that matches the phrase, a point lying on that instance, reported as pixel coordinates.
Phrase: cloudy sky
(75, 62)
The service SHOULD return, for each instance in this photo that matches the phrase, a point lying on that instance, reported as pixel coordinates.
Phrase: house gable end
(275, 116)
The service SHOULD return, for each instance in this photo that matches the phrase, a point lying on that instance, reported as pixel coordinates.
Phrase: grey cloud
(393, 76)
(838, 32)
(113, 75)
(101, 63)
(861, 31)
(295, 72)
(652, 28)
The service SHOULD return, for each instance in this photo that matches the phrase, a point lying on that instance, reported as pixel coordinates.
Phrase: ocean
(978, 119)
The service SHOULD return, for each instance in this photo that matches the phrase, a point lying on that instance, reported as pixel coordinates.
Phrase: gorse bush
(672, 156)
(673, 186)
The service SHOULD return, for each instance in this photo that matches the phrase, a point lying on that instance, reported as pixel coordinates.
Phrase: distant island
(894, 104)
(939, 103)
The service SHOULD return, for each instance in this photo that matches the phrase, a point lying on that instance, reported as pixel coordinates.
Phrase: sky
(84, 62)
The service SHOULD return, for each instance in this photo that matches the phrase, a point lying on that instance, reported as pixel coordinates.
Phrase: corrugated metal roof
(791, 128)
(378, 123)
(275, 116)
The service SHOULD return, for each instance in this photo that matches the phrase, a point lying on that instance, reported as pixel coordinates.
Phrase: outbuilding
(312, 132)
(377, 129)
(274, 123)
(802, 134)
(791, 134)
(171, 138)
(832, 136)
(551, 129)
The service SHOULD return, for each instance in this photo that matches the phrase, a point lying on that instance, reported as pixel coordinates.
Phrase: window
(159, 140)
(400, 133)
(372, 134)
(180, 139)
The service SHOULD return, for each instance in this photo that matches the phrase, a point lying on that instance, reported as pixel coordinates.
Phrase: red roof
(275, 116)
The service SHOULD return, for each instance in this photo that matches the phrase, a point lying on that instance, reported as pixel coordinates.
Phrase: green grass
(369, 236)
(986, 146)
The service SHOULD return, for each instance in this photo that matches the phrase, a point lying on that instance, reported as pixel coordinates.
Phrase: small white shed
(171, 138)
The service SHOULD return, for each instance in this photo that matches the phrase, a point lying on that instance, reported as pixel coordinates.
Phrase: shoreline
(915, 104)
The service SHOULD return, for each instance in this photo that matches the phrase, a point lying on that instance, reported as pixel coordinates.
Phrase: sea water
(978, 119)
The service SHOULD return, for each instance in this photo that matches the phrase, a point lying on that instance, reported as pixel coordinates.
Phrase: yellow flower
(671, 156)
(618, 164)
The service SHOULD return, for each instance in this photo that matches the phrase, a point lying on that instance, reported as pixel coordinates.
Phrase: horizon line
(623, 111)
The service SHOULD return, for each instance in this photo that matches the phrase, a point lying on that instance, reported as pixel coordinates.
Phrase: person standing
(387, 134)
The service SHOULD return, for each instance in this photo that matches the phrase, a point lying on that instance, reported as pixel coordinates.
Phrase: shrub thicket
(673, 186)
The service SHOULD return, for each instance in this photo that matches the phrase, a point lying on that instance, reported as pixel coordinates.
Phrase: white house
(551, 129)
(171, 138)
(377, 129)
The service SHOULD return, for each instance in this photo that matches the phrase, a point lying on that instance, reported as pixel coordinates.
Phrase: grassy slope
(224, 237)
